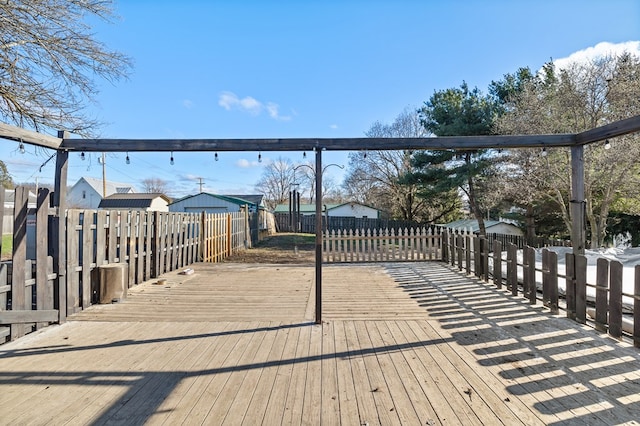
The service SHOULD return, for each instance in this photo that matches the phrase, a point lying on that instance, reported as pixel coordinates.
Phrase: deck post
(318, 235)
(577, 200)
(58, 244)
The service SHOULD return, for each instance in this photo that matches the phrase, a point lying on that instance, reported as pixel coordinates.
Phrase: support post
(318, 235)
(577, 200)
(58, 246)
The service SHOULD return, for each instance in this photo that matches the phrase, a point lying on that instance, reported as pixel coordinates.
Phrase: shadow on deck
(411, 343)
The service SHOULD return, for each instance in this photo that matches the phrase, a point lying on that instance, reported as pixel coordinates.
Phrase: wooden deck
(411, 343)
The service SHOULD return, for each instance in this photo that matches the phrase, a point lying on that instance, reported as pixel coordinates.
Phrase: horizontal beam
(331, 144)
(29, 137)
(24, 317)
(611, 130)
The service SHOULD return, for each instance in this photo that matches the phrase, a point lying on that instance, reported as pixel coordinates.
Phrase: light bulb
(216, 156)
(607, 144)
(82, 156)
(21, 148)
(259, 158)
(127, 160)
(171, 159)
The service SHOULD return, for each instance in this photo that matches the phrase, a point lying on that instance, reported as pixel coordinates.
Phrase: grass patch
(7, 246)
(287, 241)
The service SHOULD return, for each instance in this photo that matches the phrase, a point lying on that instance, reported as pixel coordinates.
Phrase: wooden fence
(389, 245)
(604, 303)
(150, 243)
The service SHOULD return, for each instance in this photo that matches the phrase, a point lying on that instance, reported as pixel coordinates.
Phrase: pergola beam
(308, 144)
(611, 130)
(19, 134)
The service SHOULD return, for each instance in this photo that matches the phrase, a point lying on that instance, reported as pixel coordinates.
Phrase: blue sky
(261, 69)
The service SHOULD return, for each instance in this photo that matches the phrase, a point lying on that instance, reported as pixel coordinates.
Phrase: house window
(84, 194)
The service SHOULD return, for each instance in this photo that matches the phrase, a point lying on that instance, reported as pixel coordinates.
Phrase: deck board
(410, 343)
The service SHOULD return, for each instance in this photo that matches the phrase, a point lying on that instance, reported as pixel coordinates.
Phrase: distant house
(492, 226)
(353, 209)
(9, 203)
(215, 203)
(136, 201)
(86, 193)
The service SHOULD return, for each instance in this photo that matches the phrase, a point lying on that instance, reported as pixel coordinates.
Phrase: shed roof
(135, 200)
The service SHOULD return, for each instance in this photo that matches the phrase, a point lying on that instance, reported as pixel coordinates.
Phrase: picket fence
(43, 287)
(389, 245)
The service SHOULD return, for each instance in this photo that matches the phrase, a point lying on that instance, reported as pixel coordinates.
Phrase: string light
(365, 153)
(259, 157)
(82, 157)
(171, 159)
(21, 147)
(544, 152)
(607, 144)
(216, 156)
(127, 160)
(304, 154)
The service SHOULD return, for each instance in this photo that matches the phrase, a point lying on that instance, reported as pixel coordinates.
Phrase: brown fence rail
(382, 245)
(603, 303)
(148, 243)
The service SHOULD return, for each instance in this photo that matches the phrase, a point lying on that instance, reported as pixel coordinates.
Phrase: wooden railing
(604, 303)
(382, 245)
(150, 243)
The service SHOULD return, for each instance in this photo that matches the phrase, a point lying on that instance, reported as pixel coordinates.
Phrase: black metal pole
(318, 235)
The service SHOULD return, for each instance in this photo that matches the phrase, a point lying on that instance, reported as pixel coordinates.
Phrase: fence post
(484, 245)
(512, 268)
(497, 263)
(602, 287)
(636, 307)
(58, 230)
(570, 285)
(581, 288)
(228, 234)
(552, 259)
(477, 257)
(18, 289)
(615, 300)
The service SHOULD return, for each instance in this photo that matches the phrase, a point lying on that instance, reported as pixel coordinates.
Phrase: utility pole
(201, 183)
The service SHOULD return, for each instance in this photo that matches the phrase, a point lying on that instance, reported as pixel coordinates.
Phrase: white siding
(82, 195)
(505, 228)
(159, 204)
(354, 210)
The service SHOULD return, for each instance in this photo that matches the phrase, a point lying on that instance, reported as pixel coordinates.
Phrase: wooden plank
(58, 229)
(44, 290)
(73, 259)
(329, 144)
(15, 133)
(570, 285)
(581, 289)
(602, 289)
(101, 238)
(18, 288)
(552, 259)
(615, 299)
(87, 257)
(139, 248)
(348, 411)
(4, 288)
(497, 263)
(26, 316)
(148, 244)
(512, 269)
(113, 255)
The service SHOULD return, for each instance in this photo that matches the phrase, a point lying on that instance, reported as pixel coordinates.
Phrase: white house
(136, 201)
(492, 226)
(334, 210)
(214, 203)
(86, 193)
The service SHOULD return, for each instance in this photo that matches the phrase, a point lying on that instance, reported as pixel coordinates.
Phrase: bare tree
(155, 186)
(375, 177)
(582, 96)
(276, 182)
(49, 61)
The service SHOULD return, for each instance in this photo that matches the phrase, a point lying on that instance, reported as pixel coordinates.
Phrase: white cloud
(599, 50)
(188, 104)
(333, 126)
(231, 101)
(243, 163)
